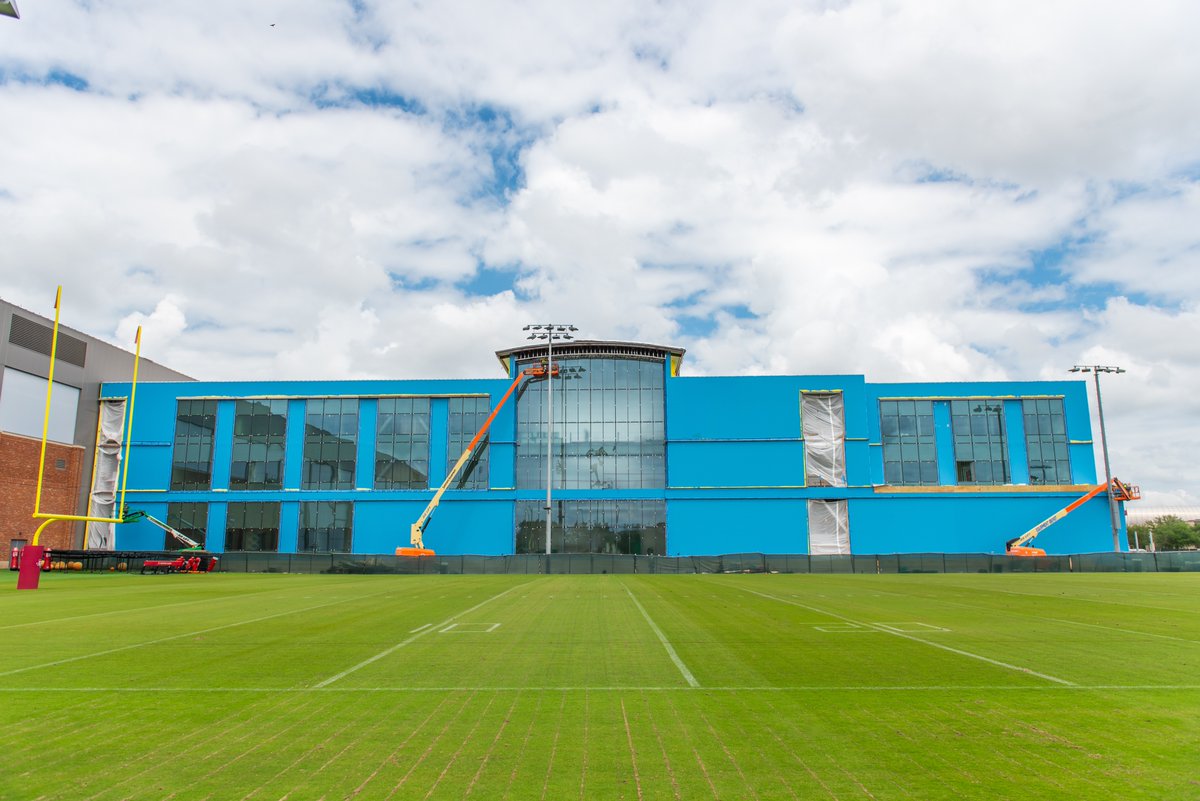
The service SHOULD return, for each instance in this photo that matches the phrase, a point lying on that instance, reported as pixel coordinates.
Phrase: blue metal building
(643, 460)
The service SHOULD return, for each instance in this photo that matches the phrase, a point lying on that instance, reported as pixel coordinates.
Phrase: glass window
(1046, 441)
(252, 527)
(980, 444)
(402, 444)
(330, 443)
(618, 526)
(189, 519)
(909, 444)
(191, 461)
(467, 417)
(23, 406)
(326, 526)
(259, 443)
(608, 426)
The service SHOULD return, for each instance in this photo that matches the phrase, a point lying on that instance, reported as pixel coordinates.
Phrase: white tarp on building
(828, 527)
(823, 426)
(106, 474)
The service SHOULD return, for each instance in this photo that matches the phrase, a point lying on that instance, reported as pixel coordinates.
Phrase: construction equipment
(1019, 546)
(134, 516)
(417, 530)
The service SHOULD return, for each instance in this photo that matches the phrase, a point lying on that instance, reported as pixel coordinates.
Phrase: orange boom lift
(417, 530)
(1019, 546)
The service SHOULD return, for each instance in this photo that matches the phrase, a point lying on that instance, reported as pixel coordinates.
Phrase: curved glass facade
(609, 426)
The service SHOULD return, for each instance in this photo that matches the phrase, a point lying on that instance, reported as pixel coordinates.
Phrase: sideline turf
(752, 686)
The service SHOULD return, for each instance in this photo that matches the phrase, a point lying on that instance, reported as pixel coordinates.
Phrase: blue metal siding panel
(149, 467)
(974, 524)
(736, 464)
(289, 525)
(293, 455)
(364, 461)
(859, 470)
(763, 407)
(729, 526)
(472, 526)
(458, 526)
(214, 539)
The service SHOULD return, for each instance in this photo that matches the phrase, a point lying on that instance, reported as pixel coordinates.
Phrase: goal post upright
(32, 554)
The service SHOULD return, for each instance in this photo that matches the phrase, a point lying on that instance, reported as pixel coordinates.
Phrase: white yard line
(181, 636)
(687, 674)
(906, 636)
(420, 633)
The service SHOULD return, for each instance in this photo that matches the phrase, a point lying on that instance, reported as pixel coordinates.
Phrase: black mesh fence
(595, 564)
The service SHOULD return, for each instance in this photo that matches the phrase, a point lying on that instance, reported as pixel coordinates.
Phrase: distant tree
(1170, 534)
(1139, 535)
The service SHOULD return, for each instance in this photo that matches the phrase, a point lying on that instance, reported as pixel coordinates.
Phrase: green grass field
(296, 687)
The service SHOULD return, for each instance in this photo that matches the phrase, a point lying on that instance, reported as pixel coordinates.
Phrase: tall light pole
(1096, 370)
(551, 333)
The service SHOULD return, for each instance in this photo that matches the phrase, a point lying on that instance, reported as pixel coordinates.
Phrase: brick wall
(18, 488)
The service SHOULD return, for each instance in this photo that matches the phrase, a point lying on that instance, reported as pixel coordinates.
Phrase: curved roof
(1144, 514)
(595, 347)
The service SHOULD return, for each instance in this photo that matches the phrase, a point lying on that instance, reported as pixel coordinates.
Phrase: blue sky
(909, 190)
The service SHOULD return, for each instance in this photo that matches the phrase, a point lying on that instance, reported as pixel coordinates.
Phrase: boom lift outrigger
(417, 530)
(1019, 546)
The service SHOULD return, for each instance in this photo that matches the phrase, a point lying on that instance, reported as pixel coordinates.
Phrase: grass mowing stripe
(553, 748)
(209, 601)
(492, 746)
(1021, 613)
(687, 674)
(902, 634)
(108, 651)
(420, 633)
(1081, 599)
(633, 759)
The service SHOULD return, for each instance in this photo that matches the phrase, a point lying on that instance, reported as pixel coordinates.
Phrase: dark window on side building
(402, 444)
(191, 461)
(980, 443)
(259, 444)
(326, 526)
(252, 527)
(1046, 441)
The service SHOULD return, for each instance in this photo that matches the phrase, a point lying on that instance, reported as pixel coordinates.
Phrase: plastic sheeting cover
(107, 471)
(823, 424)
(828, 528)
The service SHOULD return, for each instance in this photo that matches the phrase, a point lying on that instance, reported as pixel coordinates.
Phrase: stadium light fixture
(1096, 370)
(549, 333)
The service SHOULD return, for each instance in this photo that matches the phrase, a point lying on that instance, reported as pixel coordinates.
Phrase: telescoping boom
(417, 530)
(130, 517)
(1019, 546)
